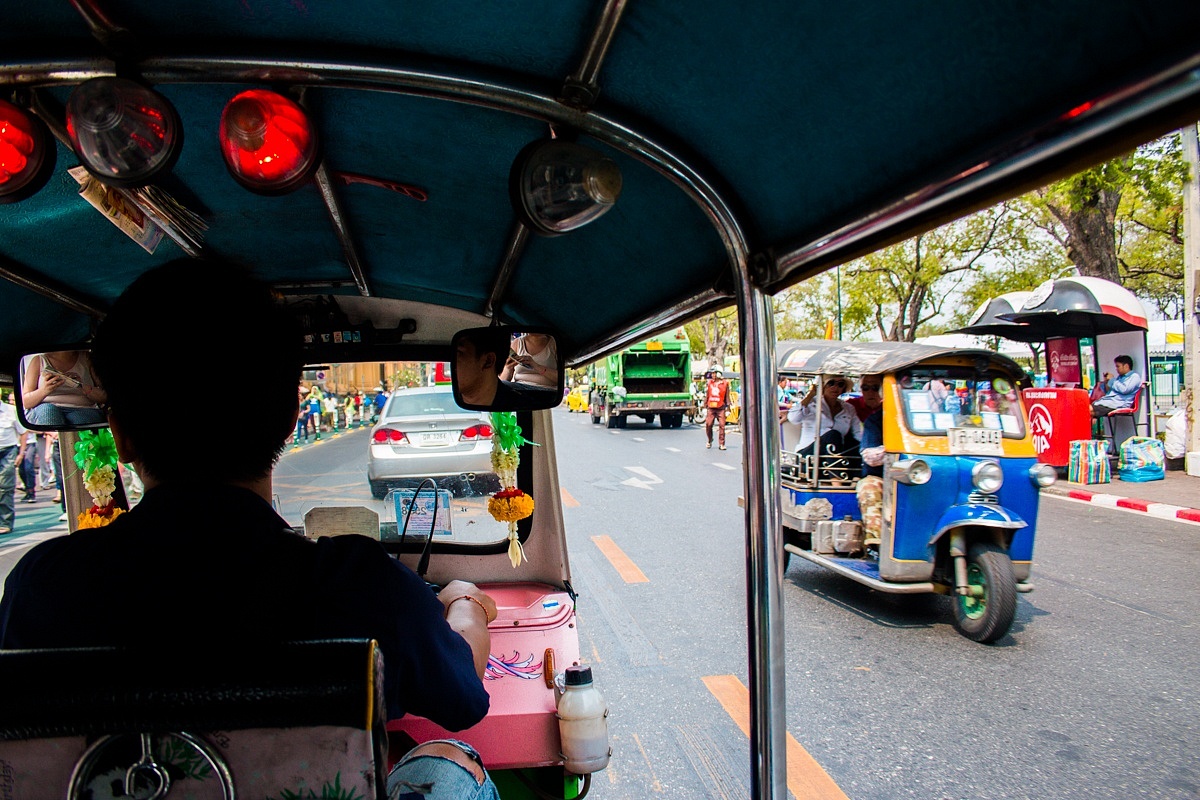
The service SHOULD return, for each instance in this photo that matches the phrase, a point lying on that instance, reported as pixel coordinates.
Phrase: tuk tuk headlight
(1043, 475)
(987, 477)
(913, 471)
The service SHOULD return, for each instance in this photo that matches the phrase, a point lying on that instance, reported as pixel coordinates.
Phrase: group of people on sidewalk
(326, 411)
(31, 457)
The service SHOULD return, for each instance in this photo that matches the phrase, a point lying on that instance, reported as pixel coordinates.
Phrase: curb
(1160, 510)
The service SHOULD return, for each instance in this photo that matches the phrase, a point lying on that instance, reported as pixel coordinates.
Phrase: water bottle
(583, 723)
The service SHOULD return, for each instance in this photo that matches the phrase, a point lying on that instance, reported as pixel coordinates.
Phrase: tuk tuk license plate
(976, 441)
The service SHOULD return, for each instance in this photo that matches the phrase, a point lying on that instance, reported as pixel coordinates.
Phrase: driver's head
(192, 322)
(478, 358)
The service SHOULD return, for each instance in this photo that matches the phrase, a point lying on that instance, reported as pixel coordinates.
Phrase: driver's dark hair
(490, 340)
(183, 342)
(1126, 360)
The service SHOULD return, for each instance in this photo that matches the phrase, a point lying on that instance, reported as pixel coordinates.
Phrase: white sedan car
(422, 433)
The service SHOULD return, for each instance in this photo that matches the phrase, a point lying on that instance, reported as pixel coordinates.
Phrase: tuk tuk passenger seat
(301, 719)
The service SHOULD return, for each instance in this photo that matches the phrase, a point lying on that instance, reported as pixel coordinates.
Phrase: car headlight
(1043, 475)
(987, 477)
(913, 471)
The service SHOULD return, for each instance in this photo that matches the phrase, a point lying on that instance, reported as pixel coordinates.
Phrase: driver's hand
(456, 589)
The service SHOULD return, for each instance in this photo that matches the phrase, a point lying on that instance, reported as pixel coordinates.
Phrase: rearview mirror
(57, 391)
(501, 368)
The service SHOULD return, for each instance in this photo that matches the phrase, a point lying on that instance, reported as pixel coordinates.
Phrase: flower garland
(96, 455)
(510, 504)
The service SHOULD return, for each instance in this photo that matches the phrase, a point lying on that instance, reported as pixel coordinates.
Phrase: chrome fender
(976, 515)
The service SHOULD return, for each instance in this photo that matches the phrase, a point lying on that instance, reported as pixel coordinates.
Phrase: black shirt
(218, 565)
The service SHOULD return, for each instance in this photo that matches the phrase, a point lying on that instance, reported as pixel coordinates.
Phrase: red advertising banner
(1057, 417)
(1062, 356)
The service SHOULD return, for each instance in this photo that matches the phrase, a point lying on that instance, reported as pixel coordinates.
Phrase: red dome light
(124, 133)
(27, 154)
(268, 142)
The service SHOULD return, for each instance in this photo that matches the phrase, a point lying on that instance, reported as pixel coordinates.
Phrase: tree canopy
(1120, 220)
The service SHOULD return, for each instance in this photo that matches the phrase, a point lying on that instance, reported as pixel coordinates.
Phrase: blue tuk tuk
(954, 510)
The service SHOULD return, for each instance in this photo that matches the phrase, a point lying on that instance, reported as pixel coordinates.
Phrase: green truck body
(648, 380)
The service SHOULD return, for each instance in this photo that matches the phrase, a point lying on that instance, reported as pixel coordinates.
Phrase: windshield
(936, 399)
(388, 438)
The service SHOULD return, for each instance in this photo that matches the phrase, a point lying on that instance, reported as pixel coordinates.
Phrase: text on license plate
(976, 441)
(436, 437)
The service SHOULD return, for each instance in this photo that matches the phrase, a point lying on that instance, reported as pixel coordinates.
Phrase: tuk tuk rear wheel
(987, 617)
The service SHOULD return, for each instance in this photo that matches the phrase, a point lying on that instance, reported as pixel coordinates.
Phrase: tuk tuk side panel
(1021, 496)
(844, 502)
(918, 509)
(892, 566)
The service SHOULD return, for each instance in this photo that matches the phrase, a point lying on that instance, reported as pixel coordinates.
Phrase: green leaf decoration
(95, 449)
(507, 431)
(329, 791)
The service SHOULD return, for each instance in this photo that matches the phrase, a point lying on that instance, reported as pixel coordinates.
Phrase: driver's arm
(468, 611)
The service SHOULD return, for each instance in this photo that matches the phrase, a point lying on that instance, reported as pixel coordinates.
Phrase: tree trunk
(1091, 235)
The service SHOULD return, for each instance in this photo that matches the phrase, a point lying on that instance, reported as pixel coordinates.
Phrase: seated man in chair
(1122, 390)
(204, 560)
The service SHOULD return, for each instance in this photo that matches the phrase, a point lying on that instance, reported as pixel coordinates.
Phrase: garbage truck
(650, 379)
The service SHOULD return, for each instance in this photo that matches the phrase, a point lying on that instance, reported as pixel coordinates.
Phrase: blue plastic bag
(1142, 459)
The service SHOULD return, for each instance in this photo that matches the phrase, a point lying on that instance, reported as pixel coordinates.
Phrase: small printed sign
(422, 518)
(976, 441)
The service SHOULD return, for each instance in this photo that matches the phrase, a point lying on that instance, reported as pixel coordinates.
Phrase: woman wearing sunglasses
(841, 428)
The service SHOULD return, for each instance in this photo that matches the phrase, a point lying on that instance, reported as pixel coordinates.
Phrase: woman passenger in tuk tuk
(840, 425)
(204, 560)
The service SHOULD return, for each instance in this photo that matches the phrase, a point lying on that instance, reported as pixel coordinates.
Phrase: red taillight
(389, 436)
(268, 142)
(26, 154)
(476, 432)
(123, 132)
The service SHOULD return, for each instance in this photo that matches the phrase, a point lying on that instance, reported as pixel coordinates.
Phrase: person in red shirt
(870, 399)
(716, 401)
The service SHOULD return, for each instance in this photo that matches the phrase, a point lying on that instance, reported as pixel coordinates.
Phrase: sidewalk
(1177, 496)
(42, 517)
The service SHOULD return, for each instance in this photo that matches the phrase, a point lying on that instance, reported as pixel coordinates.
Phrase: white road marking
(719, 465)
(647, 480)
(673, 450)
(638, 439)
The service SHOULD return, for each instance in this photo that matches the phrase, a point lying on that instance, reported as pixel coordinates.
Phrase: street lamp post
(839, 300)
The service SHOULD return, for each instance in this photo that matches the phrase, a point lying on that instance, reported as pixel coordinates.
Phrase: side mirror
(57, 391)
(501, 368)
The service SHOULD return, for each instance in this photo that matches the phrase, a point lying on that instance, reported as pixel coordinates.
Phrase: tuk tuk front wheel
(987, 614)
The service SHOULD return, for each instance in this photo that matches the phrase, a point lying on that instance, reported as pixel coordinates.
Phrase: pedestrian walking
(716, 403)
(12, 449)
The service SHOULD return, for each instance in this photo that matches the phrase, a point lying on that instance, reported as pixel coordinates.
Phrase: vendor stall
(1060, 313)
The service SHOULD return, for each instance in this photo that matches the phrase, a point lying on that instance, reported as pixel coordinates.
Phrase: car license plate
(436, 437)
(976, 441)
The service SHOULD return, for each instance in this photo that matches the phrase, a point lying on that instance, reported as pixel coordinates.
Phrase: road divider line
(622, 563)
(567, 500)
(805, 777)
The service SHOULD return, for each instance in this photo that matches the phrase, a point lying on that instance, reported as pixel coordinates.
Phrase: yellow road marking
(622, 563)
(567, 500)
(805, 777)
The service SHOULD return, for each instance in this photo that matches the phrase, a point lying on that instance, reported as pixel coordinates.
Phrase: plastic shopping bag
(1089, 461)
(1142, 459)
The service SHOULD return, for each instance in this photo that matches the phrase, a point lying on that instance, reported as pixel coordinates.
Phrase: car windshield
(938, 399)
(409, 404)
(380, 437)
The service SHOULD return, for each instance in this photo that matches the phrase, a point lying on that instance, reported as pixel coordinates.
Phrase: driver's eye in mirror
(58, 391)
(501, 368)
